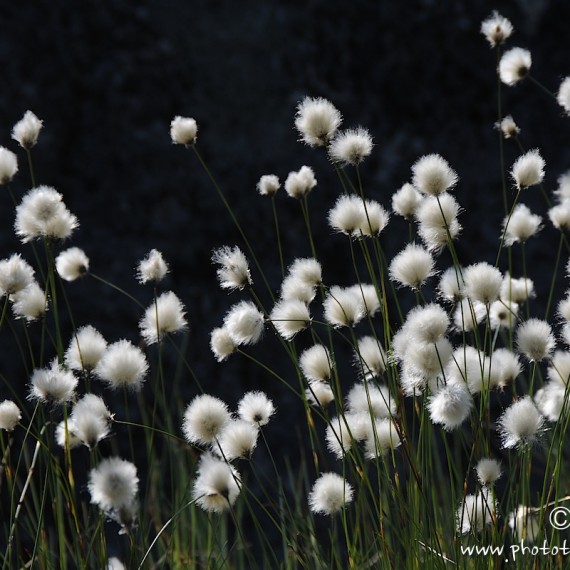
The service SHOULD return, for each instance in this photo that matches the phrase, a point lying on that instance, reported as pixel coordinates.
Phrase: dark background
(108, 77)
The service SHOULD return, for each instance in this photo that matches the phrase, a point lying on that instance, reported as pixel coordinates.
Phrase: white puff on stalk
(521, 424)
(204, 419)
(233, 272)
(53, 384)
(521, 225)
(86, 348)
(183, 130)
(8, 165)
(290, 317)
(10, 415)
(496, 29)
(217, 485)
(244, 323)
(412, 266)
(317, 121)
(432, 175)
(26, 131)
(343, 307)
(72, 263)
(315, 363)
(15, 274)
(122, 365)
(438, 223)
(514, 65)
(30, 303)
(351, 146)
(330, 494)
(563, 94)
(299, 183)
(268, 185)
(476, 511)
(166, 315)
(152, 268)
(528, 169)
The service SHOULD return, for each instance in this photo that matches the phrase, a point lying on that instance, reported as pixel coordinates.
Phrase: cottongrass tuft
(535, 340)
(29, 303)
(233, 272)
(432, 175)
(369, 295)
(183, 130)
(217, 485)
(290, 317)
(525, 523)
(72, 264)
(563, 95)
(222, 344)
(268, 185)
(330, 494)
(351, 146)
(406, 200)
(164, 316)
(438, 223)
(244, 323)
(256, 408)
(308, 269)
(317, 121)
(514, 65)
(482, 282)
(488, 471)
(370, 357)
(551, 400)
(319, 393)
(559, 215)
(54, 384)
(152, 268)
(90, 420)
(85, 349)
(343, 307)
(26, 131)
(204, 419)
(508, 127)
(451, 284)
(528, 169)
(10, 415)
(475, 512)
(382, 437)
(412, 266)
(559, 369)
(122, 365)
(521, 225)
(375, 400)
(299, 183)
(315, 363)
(15, 274)
(521, 424)
(496, 29)
(451, 405)
(237, 439)
(8, 165)
(427, 324)
(516, 290)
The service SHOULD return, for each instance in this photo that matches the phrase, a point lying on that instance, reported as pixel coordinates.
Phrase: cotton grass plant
(433, 395)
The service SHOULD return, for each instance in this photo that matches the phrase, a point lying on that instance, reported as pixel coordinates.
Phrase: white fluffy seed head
(15, 275)
(315, 363)
(114, 563)
(294, 288)
(152, 268)
(26, 131)
(113, 484)
(330, 494)
(217, 485)
(308, 270)
(437, 217)
(72, 264)
(563, 190)
(319, 393)
(496, 29)
(525, 524)
(559, 215)
(371, 399)
(503, 314)
(346, 216)
(343, 307)
(550, 400)
(475, 512)
(343, 431)
(8, 165)
(563, 95)
(468, 314)
(516, 290)
(468, 366)
(514, 65)
(85, 349)
(428, 360)
(256, 408)
(508, 127)
(382, 437)
(521, 225)
(482, 282)
(90, 420)
(233, 271)
(432, 175)
(427, 324)
(505, 368)
(521, 424)
(204, 419)
(289, 317)
(122, 365)
(268, 185)
(54, 384)
(221, 344)
(412, 266)
(10, 415)
(406, 200)
(299, 183)
(451, 284)
(244, 323)
(451, 405)
(165, 316)
(370, 358)
(183, 130)
(559, 369)
(528, 169)
(535, 340)
(369, 295)
(351, 146)
(29, 303)
(317, 121)
(237, 439)
(488, 471)
(374, 218)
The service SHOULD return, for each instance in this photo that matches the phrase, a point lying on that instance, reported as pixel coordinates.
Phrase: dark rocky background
(108, 77)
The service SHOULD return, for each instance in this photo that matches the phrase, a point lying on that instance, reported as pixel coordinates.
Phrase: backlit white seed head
(550, 400)
(256, 408)
(343, 431)
(521, 424)
(428, 360)
(165, 316)
(559, 369)
(54, 384)
(401, 341)
(524, 523)
(319, 393)
(317, 121)
(115, 564)
(204, 419)
(370, 358)
(503, 314)
(468, 314)
(268, 185)
(351, 146)
(290, 317)
(413, 382)
(374, 218)
(528, 169)
(42, 214)
(90, 420)
(8, 165)
(113, 484)
(505, 368)
(381, 437)
(307, 269)
(482, 282)
(369, 296)
(343, 307)
(488, 471)
(371, 399)
(237, 439)
(346, 216)
(244, 323)
(451, 284)
(330, 494)
(468, 366)
(412, 266)
(563, 95)
(517, 290)
(122, 365)
(26, 131)
(152, 268)
(432, 175)
(521, 225)
(475, 512)
(72, 264)
(233, 272)
(508, 127)
(183, 130)
(217, 485)
(406, 200)
(29, 303)
(451, 405)
(559, 215)
(496, 29)
(294, 288)
(64, 437)
(437, 217)
(427, 324)
(85, 350)
(514, 65)
(221, 344)
(315, 363)
(15, 275)
(10, 415)
(299, 183)
(535, 340)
